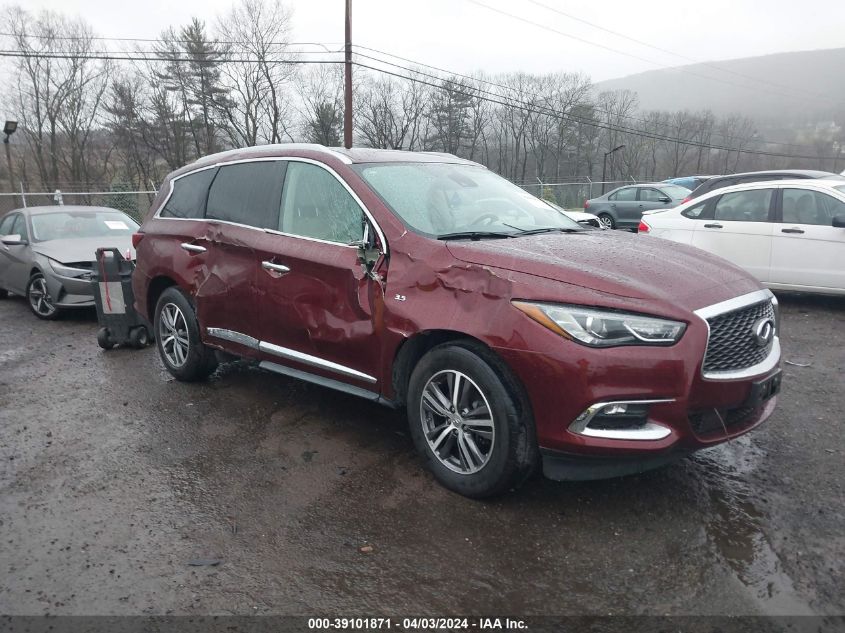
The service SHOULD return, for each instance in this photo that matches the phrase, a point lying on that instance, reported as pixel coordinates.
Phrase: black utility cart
(120, 323)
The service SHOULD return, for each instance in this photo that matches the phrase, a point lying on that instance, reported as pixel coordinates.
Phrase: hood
(68, 251)
(578, 216)
(622, 264)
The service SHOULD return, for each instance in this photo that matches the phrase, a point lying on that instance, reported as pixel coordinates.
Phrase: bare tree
(388, 112)
(258, 72)
(58, 91)
(321, 94)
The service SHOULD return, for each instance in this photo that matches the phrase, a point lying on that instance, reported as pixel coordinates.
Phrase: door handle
(193, 248)
(276, 268)
(792, 230)
(713, 226)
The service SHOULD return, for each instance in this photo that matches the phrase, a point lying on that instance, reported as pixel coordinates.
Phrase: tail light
(643, 227)
(687, 199)
(586, 204)
(136, 239)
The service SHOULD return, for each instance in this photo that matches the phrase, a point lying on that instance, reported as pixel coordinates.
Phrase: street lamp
(604, 167)
(8, 130)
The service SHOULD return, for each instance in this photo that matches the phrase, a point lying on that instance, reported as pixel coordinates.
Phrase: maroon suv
(512, 335)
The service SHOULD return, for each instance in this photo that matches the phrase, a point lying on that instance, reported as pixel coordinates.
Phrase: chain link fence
(571, 195)
(134, 203)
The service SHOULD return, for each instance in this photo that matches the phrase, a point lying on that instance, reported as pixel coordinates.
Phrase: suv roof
(347, 156)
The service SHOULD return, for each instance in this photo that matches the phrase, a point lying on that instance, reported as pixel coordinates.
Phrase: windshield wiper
(474, 235)
(545, 229)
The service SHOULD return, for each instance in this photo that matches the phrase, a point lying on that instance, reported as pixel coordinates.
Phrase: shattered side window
(315, 204)
(189, 195)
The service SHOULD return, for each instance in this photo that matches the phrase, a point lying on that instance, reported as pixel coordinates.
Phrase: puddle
(735, 526)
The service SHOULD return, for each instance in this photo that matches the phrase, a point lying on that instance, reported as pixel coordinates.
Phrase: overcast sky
(462, 36)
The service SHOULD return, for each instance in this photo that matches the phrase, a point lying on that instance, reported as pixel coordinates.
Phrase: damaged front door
(317, 303)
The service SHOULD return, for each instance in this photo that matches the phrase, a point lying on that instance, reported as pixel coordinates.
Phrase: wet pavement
(114, 477)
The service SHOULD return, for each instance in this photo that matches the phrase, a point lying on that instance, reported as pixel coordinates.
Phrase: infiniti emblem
(764, 331)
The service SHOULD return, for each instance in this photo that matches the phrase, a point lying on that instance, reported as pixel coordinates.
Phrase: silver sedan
(46, 253)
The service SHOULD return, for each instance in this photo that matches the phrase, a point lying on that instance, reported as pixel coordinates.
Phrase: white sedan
(790, 234)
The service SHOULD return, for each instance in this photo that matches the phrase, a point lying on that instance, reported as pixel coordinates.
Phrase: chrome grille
(733, 345)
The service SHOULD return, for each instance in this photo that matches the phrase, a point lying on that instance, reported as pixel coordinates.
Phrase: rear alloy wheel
(607, 221)
(466, 422)
(178, 338)
(39, 299)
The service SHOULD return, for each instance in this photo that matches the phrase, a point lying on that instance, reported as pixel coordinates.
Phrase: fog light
(620, 420)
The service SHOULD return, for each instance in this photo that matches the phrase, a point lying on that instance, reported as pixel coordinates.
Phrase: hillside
(813, 86)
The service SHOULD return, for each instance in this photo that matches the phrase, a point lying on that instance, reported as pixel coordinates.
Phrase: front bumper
(69, 292)
(686, 412)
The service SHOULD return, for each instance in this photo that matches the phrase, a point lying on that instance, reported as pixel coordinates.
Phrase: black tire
(607, 220)
(199, 361)
(103, 338)
(3, 293)
(36, 288)
(139, 337)
(513, 453)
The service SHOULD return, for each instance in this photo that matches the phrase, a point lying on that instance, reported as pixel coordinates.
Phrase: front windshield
(79, 224)
(439, 199)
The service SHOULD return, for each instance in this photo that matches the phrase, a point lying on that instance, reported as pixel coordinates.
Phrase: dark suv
(718, 182)
(512, 335)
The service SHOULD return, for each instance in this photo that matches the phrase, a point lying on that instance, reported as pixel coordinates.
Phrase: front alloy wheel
(173, 333)
(39, 298)
(457, 422)
(468, 421)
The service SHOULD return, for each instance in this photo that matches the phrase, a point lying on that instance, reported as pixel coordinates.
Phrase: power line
(136, 58)
(524, 93)
(605, 126)
(665, 50)
(512, 103)
(109, 55)
(155, 40)
(620, 52)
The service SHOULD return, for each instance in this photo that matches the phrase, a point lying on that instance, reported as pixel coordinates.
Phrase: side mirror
(13, 240)
(664, 199)
(368, 250)
(839, 221)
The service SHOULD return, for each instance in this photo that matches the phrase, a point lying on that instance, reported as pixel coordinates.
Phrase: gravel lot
(113, 478)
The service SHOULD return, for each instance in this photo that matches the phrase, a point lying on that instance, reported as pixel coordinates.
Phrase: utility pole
(347, 92)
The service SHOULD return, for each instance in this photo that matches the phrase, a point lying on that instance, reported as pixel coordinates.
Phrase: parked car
(790, 234)
(581, 217)
(511, 335)
(46, 253)
(623, 207)
(720, 182)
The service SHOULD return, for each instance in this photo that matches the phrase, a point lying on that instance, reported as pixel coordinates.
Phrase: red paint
(327, 307)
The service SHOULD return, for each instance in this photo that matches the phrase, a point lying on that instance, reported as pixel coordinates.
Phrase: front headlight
(68, 271)
(603, 328)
